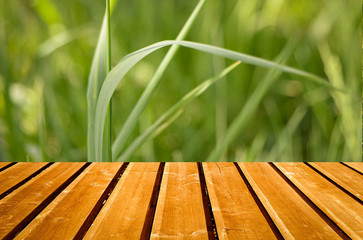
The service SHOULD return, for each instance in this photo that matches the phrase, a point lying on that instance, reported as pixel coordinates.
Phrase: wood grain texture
(343, 176)
(236, 214)
(126, 208)
(337, 205)
(17, 173)
(21, 204)
(355, 165)
(3, 165)
(243, 200)
(179, 211)
(291, 214)
(65, 215)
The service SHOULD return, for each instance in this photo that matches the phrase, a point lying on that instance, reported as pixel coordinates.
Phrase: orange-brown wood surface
(291, 214)
(4, 164)
(236, 213)
(355, 165)
(65, 215)
(127, 206)
(181, 201)
(179, 212)
(343, 176)
(23, 202)
(17, 173)
(346, 212)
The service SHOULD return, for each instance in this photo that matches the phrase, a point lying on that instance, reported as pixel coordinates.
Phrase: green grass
(295, 96)
(151, 86)
(120, 70)
(171, 115)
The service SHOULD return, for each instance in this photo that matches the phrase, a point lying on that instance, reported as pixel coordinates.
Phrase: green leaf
(116, 75)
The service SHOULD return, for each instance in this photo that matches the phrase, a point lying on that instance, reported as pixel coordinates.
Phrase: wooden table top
(181, 201)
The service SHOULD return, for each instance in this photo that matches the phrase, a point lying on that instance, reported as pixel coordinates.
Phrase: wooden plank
(65, 216)
(16, 174)
(337, 205)
(236, 213)
(355, 165)
(343, 176)
(179, 211)
(292, 215)
(126, 208)
(24, 203)
(3, 165)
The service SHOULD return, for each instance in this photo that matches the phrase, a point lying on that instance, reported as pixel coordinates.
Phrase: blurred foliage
(46, 48)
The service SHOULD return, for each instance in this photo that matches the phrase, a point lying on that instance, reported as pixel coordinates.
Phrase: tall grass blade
(169, 116)
(255, 150)
(42, 124)
(144, 99)
(286, 135)
(250, 107)
(220, 88)
(98, 73)
(147, 151)
(118, 72)
(345, 103)
(107, 155)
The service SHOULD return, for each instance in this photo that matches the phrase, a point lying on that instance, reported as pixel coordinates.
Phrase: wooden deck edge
(16, 186)
(150, 215)
(334, 183)
(329, 221)
(355, 170)
(269, 220)
(100, 203)
(7, 166)
(16, 230)
(211, 226)
(208, 212)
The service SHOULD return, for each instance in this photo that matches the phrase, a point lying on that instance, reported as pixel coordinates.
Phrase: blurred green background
(46, 49)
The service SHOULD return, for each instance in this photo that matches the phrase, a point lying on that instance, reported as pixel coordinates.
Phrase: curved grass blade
(98, 73)
(169, 116)
(116, 75)
(150, 89)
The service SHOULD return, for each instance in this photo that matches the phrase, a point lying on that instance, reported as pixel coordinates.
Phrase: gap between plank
(25, 222)
(330, 222)
(355, 170)
(209, 217)
(334, 183)
(149, 219)
(7, 166)
(100, 203)
(269, 220)
(4, 194)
